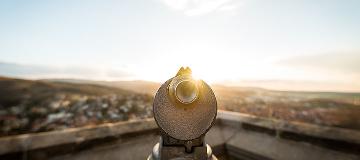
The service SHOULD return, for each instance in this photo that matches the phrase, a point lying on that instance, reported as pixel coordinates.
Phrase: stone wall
(234, 135)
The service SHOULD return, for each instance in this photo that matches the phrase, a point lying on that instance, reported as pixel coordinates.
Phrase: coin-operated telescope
(184, 109)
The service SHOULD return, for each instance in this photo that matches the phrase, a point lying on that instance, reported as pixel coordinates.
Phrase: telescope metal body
(184, 109)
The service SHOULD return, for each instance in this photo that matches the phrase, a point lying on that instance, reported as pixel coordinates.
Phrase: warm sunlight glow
(222, 41)
(214, 68)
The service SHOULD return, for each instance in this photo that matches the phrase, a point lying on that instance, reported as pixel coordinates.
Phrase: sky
(279, 44)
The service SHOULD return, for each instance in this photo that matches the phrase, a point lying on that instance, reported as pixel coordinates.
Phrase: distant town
(46, 105)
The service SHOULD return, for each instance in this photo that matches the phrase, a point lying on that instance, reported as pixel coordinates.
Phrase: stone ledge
(26, 142)
(33, 141)
(333, 133)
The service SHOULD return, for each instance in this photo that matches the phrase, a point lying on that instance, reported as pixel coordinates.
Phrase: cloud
(339, 67)
(297, 85)
(201, 7)
(39, 72)
(346, 62)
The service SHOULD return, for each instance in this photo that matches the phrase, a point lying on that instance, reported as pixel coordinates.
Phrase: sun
(212, 68)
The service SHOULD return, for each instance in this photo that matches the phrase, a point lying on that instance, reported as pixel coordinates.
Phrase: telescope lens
(186, 92)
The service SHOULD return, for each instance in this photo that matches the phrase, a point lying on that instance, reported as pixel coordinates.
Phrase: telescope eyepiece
(186, 91)
(184, 108)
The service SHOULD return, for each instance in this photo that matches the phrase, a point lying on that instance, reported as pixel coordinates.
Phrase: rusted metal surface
(184, 109)
(186, 122)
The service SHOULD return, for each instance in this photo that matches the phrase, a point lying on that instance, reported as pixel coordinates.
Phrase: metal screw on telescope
(184, 109)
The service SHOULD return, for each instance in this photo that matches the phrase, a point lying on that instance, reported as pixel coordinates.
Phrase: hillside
(35, 106)
(18, 90)
(137, 86)
(45, 105)
(338, 109)
(323, 108)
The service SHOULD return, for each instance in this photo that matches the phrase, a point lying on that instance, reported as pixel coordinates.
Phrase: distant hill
(324, 108)
(40, 71)
(28, 106)
(135, 86)
(148, 87)
(18, 90)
